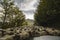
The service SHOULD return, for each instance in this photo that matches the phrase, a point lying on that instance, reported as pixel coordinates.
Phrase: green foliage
(48, 13)
(30, 22)
(13, 17)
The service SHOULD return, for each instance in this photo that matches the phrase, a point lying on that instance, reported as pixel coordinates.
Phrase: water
(47, 38)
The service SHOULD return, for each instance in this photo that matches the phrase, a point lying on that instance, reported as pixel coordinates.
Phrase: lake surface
(47, 38)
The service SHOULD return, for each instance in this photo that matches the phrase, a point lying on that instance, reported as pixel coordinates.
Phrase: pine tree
(48, 13)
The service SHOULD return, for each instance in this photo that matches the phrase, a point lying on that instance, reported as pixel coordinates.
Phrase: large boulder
(10, 31)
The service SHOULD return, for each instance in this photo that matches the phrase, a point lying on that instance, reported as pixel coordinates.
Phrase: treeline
(48, 13)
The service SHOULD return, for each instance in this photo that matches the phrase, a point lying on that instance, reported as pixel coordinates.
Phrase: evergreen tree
(48, 13)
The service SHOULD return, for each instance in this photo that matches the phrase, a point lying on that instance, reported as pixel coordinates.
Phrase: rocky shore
(24, 33)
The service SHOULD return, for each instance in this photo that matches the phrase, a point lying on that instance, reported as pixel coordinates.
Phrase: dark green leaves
(48, 13)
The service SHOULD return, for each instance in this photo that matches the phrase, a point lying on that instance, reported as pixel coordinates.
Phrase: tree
(47, 13)
(13, 17)
(17, 18)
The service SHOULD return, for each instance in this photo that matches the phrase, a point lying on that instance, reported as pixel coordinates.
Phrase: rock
(43, 33)
(2, 32)
(53, 31)
(16, 37)
(24, 34)
(9, 39)
(9, 32)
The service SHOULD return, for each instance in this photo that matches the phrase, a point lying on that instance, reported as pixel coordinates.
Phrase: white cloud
(29, 16)
(27, 6)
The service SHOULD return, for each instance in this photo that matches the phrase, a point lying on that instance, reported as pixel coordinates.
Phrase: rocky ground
(24, 33)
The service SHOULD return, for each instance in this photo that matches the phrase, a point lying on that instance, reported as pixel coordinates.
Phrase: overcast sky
(27, 6)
